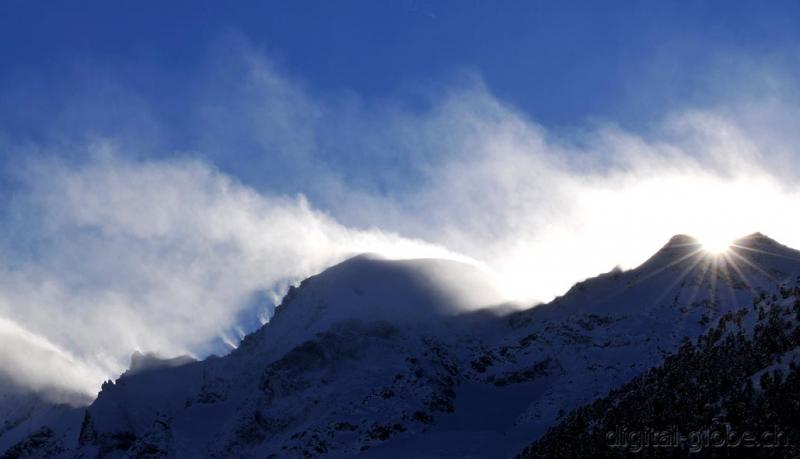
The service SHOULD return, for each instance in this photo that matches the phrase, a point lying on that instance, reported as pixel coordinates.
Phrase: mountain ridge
(403, 379)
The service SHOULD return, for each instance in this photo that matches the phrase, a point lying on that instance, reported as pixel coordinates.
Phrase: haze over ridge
(114, 248)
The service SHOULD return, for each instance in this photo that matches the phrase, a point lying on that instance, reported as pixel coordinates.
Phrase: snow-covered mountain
(413, 359)
(740, 379)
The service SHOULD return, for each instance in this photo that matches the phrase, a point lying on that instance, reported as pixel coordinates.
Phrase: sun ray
(714, 279)
(727, 262)
(735, 266)
(705, 267)
(661, 269)
(764, 252)
(680, 277)
(701, 281)
(754, 266)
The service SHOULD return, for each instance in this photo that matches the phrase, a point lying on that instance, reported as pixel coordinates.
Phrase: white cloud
(160, 256)
(32, 363)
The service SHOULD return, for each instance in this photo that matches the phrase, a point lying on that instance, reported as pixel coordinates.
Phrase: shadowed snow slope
(368, 288)
(404, 359)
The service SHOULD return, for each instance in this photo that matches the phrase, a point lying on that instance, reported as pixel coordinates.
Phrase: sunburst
(716, 246)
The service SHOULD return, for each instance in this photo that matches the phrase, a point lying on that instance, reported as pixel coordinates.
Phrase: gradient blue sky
(69, 70)
(157, 158)
(562, 63)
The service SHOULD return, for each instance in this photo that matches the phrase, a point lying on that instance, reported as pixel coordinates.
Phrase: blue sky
(157, 158)
(560, 62)
(72, 70)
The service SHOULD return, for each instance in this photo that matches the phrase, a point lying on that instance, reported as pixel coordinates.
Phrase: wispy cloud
(160, 255)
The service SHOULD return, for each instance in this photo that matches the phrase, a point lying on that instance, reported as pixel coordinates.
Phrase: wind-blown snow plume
(117, 251)
(121, 256)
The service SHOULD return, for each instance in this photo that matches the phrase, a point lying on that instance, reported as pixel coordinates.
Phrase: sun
(716, 245)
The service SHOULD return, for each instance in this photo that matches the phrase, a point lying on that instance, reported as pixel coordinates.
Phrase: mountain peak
(679, 247)
(681, 240)
(142, 362)
(757, 238)
(369, 288)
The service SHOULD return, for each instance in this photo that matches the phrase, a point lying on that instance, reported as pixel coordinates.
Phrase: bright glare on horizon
(624, 219)
(716, 240)
(716, 246)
